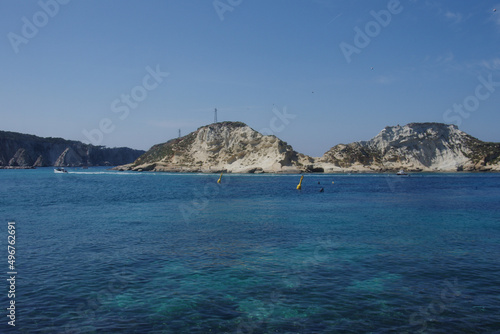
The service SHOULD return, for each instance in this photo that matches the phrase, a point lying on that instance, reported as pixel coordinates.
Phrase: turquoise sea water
(106, 252)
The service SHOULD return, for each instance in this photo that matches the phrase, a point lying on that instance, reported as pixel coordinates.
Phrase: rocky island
(430, 147)
(234, 147)
(225, 146)
(19, 150)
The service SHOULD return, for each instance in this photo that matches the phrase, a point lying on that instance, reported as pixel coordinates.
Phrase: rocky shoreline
(233, 147)
(17, 167)
(18, 150)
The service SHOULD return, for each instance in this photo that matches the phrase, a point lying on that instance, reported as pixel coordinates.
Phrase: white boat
(401, 172)
(60, 170)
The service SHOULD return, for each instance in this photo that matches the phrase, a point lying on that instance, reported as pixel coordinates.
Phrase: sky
(315, 73)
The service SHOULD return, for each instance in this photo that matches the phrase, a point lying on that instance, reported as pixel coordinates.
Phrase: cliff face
(227, 146)
(415, 147)
(22, 150)
(235, 147)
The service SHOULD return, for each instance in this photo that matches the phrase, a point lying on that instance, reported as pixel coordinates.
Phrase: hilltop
(224, 146)
(24, 150)
(415, 147)
(237, 148)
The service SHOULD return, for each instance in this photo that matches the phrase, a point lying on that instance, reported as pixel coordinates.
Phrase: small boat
(401, 172)
(60, 170)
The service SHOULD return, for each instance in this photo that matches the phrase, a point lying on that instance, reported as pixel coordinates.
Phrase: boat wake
(104, 173)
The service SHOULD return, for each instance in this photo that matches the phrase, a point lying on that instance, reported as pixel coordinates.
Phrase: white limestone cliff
(228, 146)
(414, 147)
(236, 148)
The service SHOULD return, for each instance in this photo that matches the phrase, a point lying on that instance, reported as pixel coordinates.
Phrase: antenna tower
(179, 133)
(215, 115)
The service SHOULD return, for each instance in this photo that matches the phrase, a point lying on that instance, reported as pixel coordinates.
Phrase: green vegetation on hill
(25, 150)
(167, 150)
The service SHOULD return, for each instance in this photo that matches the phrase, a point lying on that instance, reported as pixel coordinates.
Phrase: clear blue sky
(265, 54)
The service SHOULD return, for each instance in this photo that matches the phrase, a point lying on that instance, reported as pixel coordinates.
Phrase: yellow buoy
(299, 186)
(220, 177)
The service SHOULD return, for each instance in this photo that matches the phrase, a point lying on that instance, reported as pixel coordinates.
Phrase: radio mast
(215, 115)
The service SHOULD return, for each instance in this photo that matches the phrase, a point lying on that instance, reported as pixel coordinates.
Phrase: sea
(101, 251)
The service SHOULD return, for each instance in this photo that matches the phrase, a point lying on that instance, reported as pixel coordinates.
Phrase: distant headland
(18, 150)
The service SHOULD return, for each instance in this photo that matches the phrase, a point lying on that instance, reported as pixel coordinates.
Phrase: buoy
(333, 182)
(299, 186)
(220, 177)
